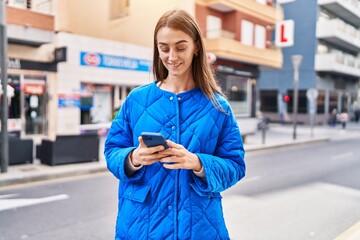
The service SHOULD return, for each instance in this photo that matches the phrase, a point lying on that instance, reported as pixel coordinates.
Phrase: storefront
(28, 107)
(238, 82)
(94, 81)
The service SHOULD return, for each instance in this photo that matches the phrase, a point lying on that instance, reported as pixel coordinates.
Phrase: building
(109, 52)
(327, 35)
(239, 33)
(97, 54)
(31, 67)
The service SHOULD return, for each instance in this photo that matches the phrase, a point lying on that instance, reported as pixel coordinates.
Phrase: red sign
(34, 89)
(92, 59)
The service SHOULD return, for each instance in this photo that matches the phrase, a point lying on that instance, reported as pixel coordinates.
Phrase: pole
(296, 60)
(3, 76)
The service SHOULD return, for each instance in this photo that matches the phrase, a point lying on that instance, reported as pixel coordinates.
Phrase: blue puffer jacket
(157, 203)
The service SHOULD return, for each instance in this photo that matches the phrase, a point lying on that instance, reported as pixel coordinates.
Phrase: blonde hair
(202, 73)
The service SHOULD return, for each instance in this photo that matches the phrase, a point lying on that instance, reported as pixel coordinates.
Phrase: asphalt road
(297, 193)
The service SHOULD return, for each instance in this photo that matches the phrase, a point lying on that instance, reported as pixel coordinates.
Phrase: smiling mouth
(174, 65)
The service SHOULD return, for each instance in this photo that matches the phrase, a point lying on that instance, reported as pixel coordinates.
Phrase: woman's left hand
(180, 158)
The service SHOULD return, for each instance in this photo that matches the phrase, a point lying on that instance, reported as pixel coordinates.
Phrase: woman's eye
(164, 50)
(181, 49)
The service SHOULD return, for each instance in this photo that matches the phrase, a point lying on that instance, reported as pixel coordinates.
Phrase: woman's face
(176, 51)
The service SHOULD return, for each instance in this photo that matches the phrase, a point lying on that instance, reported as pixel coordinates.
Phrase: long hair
(202, 73)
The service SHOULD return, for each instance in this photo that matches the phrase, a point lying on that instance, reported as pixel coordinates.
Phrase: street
(297, 193)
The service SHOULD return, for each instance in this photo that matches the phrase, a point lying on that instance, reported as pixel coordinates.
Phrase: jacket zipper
(176, 173)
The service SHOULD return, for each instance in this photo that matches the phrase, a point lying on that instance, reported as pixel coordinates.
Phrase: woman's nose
(172, 55)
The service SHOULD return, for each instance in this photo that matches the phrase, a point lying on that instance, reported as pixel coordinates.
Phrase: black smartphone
(152, 139)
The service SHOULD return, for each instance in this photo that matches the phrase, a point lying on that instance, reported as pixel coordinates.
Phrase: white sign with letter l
(284, 33)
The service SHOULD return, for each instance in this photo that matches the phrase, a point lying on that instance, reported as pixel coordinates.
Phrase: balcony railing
(338, 62)
(29, 27)
(339, 33)
(231, 49)
(346, 9)
(266, 13)
(219, 33)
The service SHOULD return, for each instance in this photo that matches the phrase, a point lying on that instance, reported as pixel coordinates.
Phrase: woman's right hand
(143, 155)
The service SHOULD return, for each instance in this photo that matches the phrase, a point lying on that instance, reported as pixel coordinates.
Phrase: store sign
(68, 100)
(14, 63)
(34, 89)
(92, 59)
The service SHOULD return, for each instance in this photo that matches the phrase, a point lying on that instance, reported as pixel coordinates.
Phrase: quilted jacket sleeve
(227, 166)
(119, 144)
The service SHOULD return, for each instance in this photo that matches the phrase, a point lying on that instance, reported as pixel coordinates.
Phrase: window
(119, 8)
(344, 103)
(269, 101)
(247, 30)
(261, 1)
(302, 101)
(17, 3)
(42, 6)
(14, 103)
(321, 102)
(213, 27)
(236, 90)
(260, 36)
(333, 101)
(35, 99)
(95, 103)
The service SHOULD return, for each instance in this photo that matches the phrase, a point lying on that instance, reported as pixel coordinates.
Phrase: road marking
(6, 204)
(8, 195)
(352, 233)
(343, 155)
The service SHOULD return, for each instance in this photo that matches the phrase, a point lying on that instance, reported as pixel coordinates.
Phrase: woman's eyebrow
(178, 42)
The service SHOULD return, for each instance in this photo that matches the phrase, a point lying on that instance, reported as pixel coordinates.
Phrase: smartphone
(152, 139)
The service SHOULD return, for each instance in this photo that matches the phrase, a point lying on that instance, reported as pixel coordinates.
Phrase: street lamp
(296, 60)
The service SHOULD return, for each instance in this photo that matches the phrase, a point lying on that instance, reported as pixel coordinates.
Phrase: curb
(287, 144)
(85, 170)
(50, 176)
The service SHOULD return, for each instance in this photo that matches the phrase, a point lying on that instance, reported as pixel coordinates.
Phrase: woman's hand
(178, 157)
(143, 155)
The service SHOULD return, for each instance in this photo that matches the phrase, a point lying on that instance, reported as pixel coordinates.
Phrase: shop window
(14, 104)
(321, 102)
(333, 101)
(119, 8)
(269, 101)
(236, 90)
(344, 103)
(95, 103)
(302, 101)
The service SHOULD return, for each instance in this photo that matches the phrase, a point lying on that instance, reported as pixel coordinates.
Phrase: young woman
(174, 193)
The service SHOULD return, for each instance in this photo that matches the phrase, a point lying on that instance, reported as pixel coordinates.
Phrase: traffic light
(286, 98)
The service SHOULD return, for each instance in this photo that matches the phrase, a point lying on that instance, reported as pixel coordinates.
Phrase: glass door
(34, 104)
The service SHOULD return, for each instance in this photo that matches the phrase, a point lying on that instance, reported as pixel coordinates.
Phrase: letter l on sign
(284, 33)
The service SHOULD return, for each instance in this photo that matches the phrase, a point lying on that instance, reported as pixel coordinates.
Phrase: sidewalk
(276, 136)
